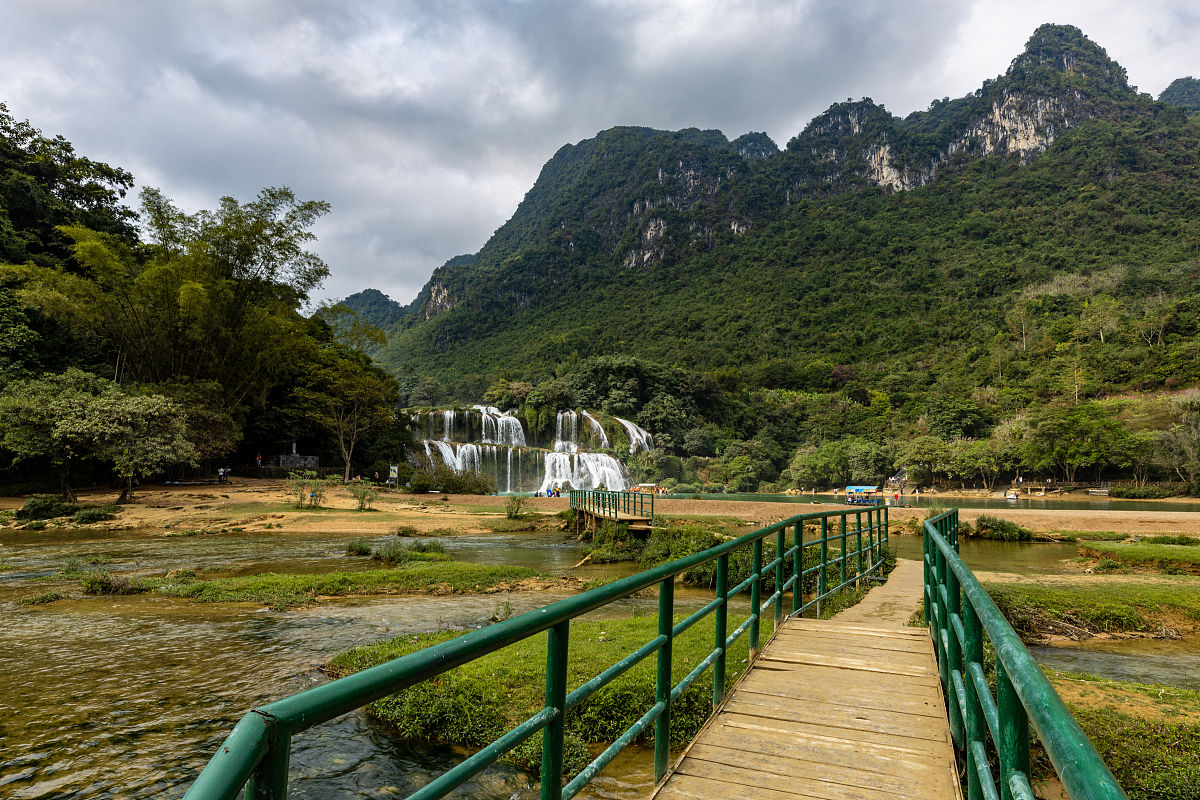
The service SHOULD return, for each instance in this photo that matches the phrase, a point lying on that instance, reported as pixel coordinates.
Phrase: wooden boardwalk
(830, 710)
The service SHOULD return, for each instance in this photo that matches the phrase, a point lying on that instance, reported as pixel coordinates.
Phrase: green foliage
(424, 573)
(1183, 92)
(990, 527)
(445, 479)
(46, 506)
(1185, 556)
(1151, 759)
(308, 488)
(104, 582)
(358, 547)
(41, 598)
(1140, 492)
(396, 553)
(513, 506)
(1035, 610)
(364, 494)
(89, 514)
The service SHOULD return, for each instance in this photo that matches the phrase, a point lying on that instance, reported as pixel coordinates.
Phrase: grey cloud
(424, 123)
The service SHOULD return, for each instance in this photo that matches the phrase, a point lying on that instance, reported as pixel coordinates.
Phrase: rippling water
(129, 696)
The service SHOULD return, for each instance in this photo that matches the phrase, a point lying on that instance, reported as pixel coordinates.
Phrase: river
(106, 697)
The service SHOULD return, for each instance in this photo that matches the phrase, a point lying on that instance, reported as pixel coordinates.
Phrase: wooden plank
(817, 779)
(828, 711)
(755, 774)
(877, 721)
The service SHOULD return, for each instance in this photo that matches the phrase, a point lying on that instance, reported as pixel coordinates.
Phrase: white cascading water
(522, 468)
(583, 471)
(500, 427)
(639, 437)
(566, 432)
(599, 430)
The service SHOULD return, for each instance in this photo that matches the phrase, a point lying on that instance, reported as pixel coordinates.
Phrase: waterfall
(583, 471)
(599, 429)
(497, 446)
(639, 438)
(566, 432)
(500, 427)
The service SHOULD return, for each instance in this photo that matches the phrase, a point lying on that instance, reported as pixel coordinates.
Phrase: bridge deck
(830, 710)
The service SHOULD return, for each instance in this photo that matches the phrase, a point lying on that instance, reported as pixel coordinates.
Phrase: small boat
(1011, 496)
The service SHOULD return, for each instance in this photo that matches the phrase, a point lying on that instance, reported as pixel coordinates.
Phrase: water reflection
(1171, 662)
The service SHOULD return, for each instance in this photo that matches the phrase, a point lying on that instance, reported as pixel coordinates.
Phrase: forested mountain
(873, 242)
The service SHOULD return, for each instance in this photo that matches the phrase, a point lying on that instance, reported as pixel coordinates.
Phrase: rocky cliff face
(644, 200)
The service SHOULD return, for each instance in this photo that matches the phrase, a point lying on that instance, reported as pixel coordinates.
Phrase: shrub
(308, 488)
(46, 506)
(405, 530)
(105, 582)
(1140, 492)
(89, 514)
(40, 599)
(358, 547)
(431, 546)
(989, 527)
(513, 506)
(363, 493)
(393, 553)
(34, 525)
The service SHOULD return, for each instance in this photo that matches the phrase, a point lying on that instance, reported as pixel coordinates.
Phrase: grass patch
(40, 599)
(104, 582)
(424, 573)
(1169, 558)
(474, 509)
(396, 553)
(1149, 735)
(91, 514)
(475, 703)
(506, 525)
(1087, 536)
(1035, 611)
(358, 547)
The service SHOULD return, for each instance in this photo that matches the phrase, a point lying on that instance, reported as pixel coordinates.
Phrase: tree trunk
(64, 478)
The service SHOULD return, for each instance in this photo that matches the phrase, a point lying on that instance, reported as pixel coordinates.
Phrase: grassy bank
(1169, 558)
(287, 591)
(473, 704)
(1036, 611)
(1149, 735)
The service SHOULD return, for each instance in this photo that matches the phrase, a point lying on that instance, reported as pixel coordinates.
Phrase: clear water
(1075, 504)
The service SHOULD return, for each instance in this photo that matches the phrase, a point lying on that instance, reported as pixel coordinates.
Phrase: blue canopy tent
(864, 495)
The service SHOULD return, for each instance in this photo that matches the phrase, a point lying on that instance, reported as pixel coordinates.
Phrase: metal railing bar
(986, 782)
(690, 678)
(622, 741)
(991, 713)
(472, 766)
(587, 689)
(733, 637)
(1018, 784)
(695, 617)
(741, 587)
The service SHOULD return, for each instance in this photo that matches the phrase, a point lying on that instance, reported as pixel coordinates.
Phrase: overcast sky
(424, 123)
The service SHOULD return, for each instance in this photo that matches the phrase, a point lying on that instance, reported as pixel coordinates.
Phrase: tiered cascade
(498, 444)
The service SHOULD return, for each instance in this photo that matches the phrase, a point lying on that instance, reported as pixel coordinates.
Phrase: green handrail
(959, 613)
(256, 753)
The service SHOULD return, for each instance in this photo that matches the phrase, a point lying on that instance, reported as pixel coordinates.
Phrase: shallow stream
(128, 697)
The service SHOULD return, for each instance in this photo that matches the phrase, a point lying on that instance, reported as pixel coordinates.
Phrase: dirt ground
(256, 504)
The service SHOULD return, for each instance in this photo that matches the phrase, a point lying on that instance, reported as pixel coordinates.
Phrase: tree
(348, 396)
(45, 418)
(927, 455)
(1068, 438)
(1181, 442)
(139, 433)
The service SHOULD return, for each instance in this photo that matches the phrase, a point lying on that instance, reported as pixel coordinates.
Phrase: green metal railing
(608, 505)
(960, 613)
(257, 751)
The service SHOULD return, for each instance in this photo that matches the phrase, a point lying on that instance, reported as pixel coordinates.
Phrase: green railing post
(842, 559)
(858, 545)
(269, 781)
(662, 685)
(780, 548)
(974, 722)
(755, 596)
(556, 698)
(821, 580)
(1014, 731)
(798, 569)
(886, 532)
(954, 658)
(722, 625)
